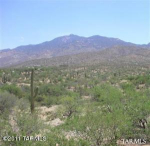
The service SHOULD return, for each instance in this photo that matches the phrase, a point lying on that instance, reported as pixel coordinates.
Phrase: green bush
(28, 124)
(13, 89)
(23, 104)
(52, 90)
(140, 79)
(106, 94)
(7, 102)
(70, 104)
(51, 100)
(96, 126)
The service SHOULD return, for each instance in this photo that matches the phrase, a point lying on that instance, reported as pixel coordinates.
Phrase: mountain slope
(119, 55)
(65, 45)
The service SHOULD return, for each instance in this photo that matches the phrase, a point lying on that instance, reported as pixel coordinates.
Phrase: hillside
(61, 46)
(118, 55)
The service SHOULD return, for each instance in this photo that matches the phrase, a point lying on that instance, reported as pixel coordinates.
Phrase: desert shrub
(131, 78)
(139, 105)
(51, 100)
(140, 79)
(127, 86)
(57, 137)
(13, 89)
(52, 94)
(25, 89)
(129, 89)
(70, 103)
(136, 105)
(83, 91)
(52, 90)
(106, 94)
(7, 101)
(99, 127)
(28, 124)
(95, 126)
(23, 104)
(5, 129)
(40, 98)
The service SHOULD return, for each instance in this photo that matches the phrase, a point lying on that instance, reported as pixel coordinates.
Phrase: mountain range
(73, 46)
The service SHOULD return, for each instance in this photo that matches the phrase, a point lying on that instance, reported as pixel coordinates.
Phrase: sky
(24, 22)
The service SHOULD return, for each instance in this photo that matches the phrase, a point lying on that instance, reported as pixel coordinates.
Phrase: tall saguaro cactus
(34, 92)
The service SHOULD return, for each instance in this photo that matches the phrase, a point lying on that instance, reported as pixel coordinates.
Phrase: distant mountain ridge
(120, 55)
(64, 45)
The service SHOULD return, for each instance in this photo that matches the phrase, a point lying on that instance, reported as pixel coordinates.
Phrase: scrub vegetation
(74, 106)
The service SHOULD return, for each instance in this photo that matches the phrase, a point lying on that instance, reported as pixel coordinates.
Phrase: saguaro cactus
(34, 92)
(4, 79)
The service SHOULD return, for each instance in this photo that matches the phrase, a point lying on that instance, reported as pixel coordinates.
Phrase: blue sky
(24, 22)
